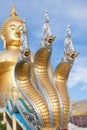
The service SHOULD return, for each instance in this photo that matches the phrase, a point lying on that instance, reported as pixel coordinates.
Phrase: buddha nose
(18, 32)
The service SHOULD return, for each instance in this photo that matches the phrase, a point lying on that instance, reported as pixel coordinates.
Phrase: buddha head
(10, 31)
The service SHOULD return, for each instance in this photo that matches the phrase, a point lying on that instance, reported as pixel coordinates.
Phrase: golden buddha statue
(10, 35)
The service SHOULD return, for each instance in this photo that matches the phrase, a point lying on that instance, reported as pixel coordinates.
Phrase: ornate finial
(68, 31)
(46, 26)
(69, 52)
(13, 11)
(24, 36)
(24, 49)
(68, 42)
(47, 37)
(46, 15)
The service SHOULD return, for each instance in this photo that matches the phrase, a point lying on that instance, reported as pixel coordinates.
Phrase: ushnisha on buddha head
(10, 31)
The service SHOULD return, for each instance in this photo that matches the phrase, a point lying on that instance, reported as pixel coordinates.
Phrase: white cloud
(78, 73)
(84, 87)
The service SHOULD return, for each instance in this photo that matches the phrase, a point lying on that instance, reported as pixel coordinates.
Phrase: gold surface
(8, 57)
(41, 68)
(23, 75)
(61, 76)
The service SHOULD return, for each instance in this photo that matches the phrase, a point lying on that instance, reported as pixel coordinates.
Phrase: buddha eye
(20, 28)
(12, 27)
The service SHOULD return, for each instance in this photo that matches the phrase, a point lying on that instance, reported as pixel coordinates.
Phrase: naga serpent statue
(45, 103)
(62, 73)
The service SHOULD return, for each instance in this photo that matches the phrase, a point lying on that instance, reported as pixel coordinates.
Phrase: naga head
(48, 40)
(25, 54)
(10, 31)
(71, 56)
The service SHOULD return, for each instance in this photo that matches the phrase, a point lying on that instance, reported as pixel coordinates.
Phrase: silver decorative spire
(68, 42)
(47, 37)
(46, 26)
(24, 37)
(24, 49)
(69, 51)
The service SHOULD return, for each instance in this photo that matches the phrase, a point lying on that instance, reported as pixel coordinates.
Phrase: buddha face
(12, 35)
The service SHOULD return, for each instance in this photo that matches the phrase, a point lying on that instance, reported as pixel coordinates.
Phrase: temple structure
(41, 96)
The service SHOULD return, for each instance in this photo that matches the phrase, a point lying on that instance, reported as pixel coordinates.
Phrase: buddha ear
(4, 40)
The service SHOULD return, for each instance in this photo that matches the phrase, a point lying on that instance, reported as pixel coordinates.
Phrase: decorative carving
(24, 49)
(69, 51)
(47, 37)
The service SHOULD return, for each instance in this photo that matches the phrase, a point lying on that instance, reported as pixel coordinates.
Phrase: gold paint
(23, 75)
(10, 29)
(13, 11)
(23, 72)
(41, 68)
(8, 57)
(61, 76)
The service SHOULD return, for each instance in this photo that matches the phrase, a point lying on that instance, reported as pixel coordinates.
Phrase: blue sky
(61, 12)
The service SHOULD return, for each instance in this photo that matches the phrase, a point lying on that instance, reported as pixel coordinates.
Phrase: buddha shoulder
(8, 59)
